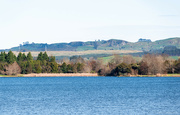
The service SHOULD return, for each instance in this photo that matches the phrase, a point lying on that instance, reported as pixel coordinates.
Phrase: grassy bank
(20, 75)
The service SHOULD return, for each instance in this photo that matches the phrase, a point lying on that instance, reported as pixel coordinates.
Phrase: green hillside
(157, 45)
(112, 44)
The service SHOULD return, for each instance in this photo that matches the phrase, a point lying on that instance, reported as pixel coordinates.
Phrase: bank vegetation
(126, 65)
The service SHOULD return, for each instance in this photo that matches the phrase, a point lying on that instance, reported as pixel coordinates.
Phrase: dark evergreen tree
(37, 66)
(121, 69)
(11, 58)
(40, 56)
(69, 68)
(45, 56)
(3, 57)
(24, 57)
(23, 66)
(29, 67)
(54, 67)
(64, 68)
(29, 57)
(19, 58)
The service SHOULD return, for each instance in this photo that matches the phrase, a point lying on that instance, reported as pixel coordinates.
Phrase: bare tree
(155, 63)
(128, 59)
(169, 65)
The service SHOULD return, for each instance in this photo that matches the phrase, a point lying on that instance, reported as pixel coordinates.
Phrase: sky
(56, 21)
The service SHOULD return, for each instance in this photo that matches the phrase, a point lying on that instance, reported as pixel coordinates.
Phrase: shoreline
(158, 75)
(60, 75)
(82, 75)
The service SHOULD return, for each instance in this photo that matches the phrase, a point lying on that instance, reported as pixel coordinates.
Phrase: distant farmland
(80, 53)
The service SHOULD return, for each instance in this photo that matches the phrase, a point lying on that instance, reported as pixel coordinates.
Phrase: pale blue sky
(54, 21)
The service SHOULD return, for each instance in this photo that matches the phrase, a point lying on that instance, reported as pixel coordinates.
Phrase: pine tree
(3, 57)
(37, 66)
(11, 57)
(64, 67)
(19, 58)
(54, 67)
(23, 66)
(29, 66)
(29, 57)
(40, 56)
(24, 57)
(45, 57)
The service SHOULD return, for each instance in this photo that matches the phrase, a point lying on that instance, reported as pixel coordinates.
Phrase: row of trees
(47, 64)
(42, 64)
(9, 58)
(150, 64)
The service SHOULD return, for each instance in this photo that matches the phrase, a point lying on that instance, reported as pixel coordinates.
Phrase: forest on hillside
(150, 64)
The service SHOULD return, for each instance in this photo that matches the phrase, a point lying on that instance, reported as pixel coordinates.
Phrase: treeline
(150, 64)
(42, 64)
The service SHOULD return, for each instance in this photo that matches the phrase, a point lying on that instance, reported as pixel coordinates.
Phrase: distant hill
(145, 45)
(149, 46)
(171, 50)
(72, 46)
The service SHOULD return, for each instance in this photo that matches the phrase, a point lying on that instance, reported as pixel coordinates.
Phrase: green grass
(173, 74)
(107, 48)
(20, 75)
(82, 48)
(175, 57)
(108, 58)
(137, 58)
(6, 76)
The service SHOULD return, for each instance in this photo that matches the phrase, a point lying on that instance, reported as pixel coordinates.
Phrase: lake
(90, 96)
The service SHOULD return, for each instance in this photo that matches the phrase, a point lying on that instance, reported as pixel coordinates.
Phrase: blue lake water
(90, 96)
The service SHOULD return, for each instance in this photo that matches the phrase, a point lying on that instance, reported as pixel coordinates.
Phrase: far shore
(158, 75)
(82, 75)
(60, 74)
